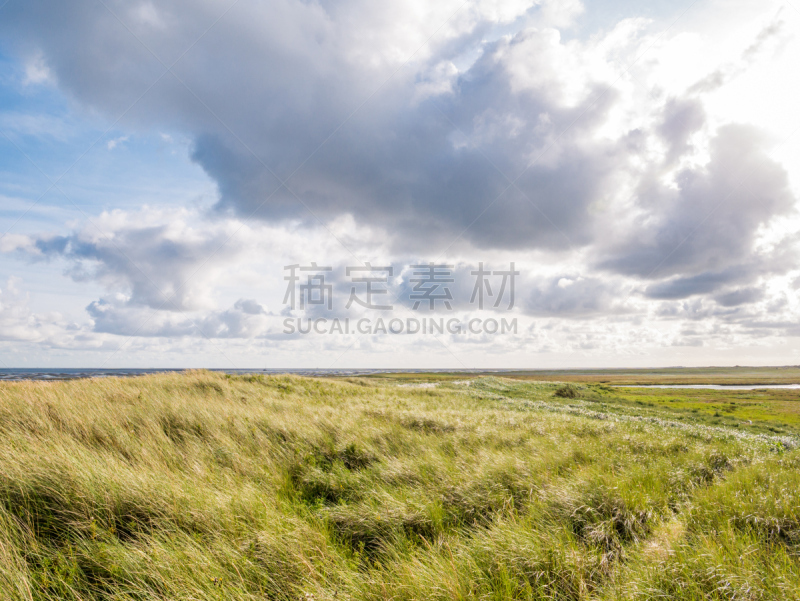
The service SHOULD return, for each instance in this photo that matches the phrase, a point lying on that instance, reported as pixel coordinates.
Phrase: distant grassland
(207, 487)
(673, 375)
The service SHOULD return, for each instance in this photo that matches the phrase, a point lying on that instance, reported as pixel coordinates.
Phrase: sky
(617, 181)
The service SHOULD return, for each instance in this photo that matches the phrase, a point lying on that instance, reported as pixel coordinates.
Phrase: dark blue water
(74, 374)
(71, 374)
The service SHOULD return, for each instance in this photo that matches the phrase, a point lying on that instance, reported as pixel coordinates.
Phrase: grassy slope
(292, 488)
(769, 411)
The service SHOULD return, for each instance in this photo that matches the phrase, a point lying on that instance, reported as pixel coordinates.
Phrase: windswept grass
(206, 487)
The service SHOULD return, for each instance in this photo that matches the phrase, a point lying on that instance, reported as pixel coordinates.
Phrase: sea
(10, 374)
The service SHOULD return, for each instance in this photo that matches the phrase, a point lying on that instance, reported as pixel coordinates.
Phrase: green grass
(768, 411)
(789, 374)
(206, 487)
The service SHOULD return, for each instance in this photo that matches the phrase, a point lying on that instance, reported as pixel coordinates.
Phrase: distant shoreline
(725, 377)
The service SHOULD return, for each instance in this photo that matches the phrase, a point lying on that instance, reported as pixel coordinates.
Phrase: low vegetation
(203, 486)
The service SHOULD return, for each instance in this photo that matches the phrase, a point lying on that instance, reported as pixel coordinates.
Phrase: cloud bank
(433, 129)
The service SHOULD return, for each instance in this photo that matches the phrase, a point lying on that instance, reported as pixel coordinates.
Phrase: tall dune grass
(206, 487)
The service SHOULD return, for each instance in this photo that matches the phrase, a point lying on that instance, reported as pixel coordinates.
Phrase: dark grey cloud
(153, 266)
(682, 118)
(740, 296)
(703, 231)
(765, 327)
(399, 165)
(699, 309)
(575, 297)
(113, 316)
(295, 105)
(271, 84)
(703, 283)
